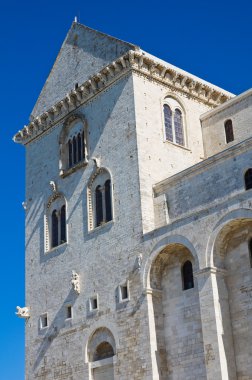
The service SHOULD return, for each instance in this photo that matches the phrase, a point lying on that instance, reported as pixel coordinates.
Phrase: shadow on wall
(54, 328)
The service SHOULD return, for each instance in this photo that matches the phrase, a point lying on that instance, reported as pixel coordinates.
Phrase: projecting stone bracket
(23, 312)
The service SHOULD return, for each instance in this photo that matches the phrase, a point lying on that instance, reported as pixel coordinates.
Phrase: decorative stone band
(135, 61)
(210, 270)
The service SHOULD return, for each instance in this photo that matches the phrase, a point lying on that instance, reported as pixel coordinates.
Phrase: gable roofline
(132, 46)
(132, 61)
(71, 29)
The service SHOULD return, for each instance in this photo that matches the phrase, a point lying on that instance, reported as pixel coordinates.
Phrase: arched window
(79, 147)
(100, 199)
(187, 275)
(55, 222)
(63, 224)
(178, 126)
(74, 150)
(248, 179)
(73, 146)
(250, 251)
(98, 206)
(70, 154)
(108, 201)
(168, 123)
(173, 121)
(229, 131)
(55, 229)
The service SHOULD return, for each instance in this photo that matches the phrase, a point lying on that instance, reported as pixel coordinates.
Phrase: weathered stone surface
(170, 204)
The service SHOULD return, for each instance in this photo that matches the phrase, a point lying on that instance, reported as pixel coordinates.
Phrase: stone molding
(132, 61)
(210, 270)
(196, 169)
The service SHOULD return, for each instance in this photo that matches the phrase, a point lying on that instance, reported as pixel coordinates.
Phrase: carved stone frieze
(135, 61)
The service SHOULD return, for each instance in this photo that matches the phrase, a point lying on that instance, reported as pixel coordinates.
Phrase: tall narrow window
(79, 147)
(63, 224)
(168, 123)
(83, 144)
(248, 179)
(187, 275)
(74, 150)
(99, 207)
(178, 126)
(229, 131)
(55, 231)
(250, 251)
(100, 190)
(108, 200)
(174, 121)
(70, 154)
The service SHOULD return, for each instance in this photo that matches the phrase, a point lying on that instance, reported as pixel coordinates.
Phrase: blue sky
(209, 39)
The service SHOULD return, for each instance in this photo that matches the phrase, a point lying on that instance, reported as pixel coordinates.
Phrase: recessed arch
(101, 342)
(228, 249)
(174, 120)
(100, 198)
(173, 303)
(55, 226)
(73, 142)
(225, 224)
(162, 244)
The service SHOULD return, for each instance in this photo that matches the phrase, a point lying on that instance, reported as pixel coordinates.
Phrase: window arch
(55, 222)
(228, 125)
(100, 199)
(73, 144)
(101, 352)
(187, 275)
(174, 121)
(248, 179)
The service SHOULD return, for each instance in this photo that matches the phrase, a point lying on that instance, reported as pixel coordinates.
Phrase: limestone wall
(239, 110)
(158, 158)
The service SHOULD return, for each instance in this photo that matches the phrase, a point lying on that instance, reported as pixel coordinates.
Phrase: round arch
(226, 224)
(101, 332)
(180, 101)
(159, 246)
(67, 125)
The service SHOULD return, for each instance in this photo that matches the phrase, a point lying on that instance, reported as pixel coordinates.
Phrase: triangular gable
(84, 52)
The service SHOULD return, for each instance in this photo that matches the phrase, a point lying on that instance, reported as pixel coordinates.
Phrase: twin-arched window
(55, 222)
(58, 227)
(100, 199)
(173, 122)
(103, 210)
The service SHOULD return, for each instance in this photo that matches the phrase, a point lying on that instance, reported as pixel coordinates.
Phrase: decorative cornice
(135, 61)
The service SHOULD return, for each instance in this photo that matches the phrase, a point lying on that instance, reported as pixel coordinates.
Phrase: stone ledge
(133, 61)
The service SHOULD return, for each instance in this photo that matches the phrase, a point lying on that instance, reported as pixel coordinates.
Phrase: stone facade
(116, 209)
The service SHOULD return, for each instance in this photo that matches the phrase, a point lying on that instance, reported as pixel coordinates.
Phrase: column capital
(211, 270)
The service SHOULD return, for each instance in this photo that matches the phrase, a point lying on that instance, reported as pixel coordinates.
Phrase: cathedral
(138, 220)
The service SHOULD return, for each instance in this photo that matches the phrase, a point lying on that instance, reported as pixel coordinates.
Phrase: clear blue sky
(209, 39)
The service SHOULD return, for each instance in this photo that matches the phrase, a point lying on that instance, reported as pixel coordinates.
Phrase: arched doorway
(176, 309)
(101, 354)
